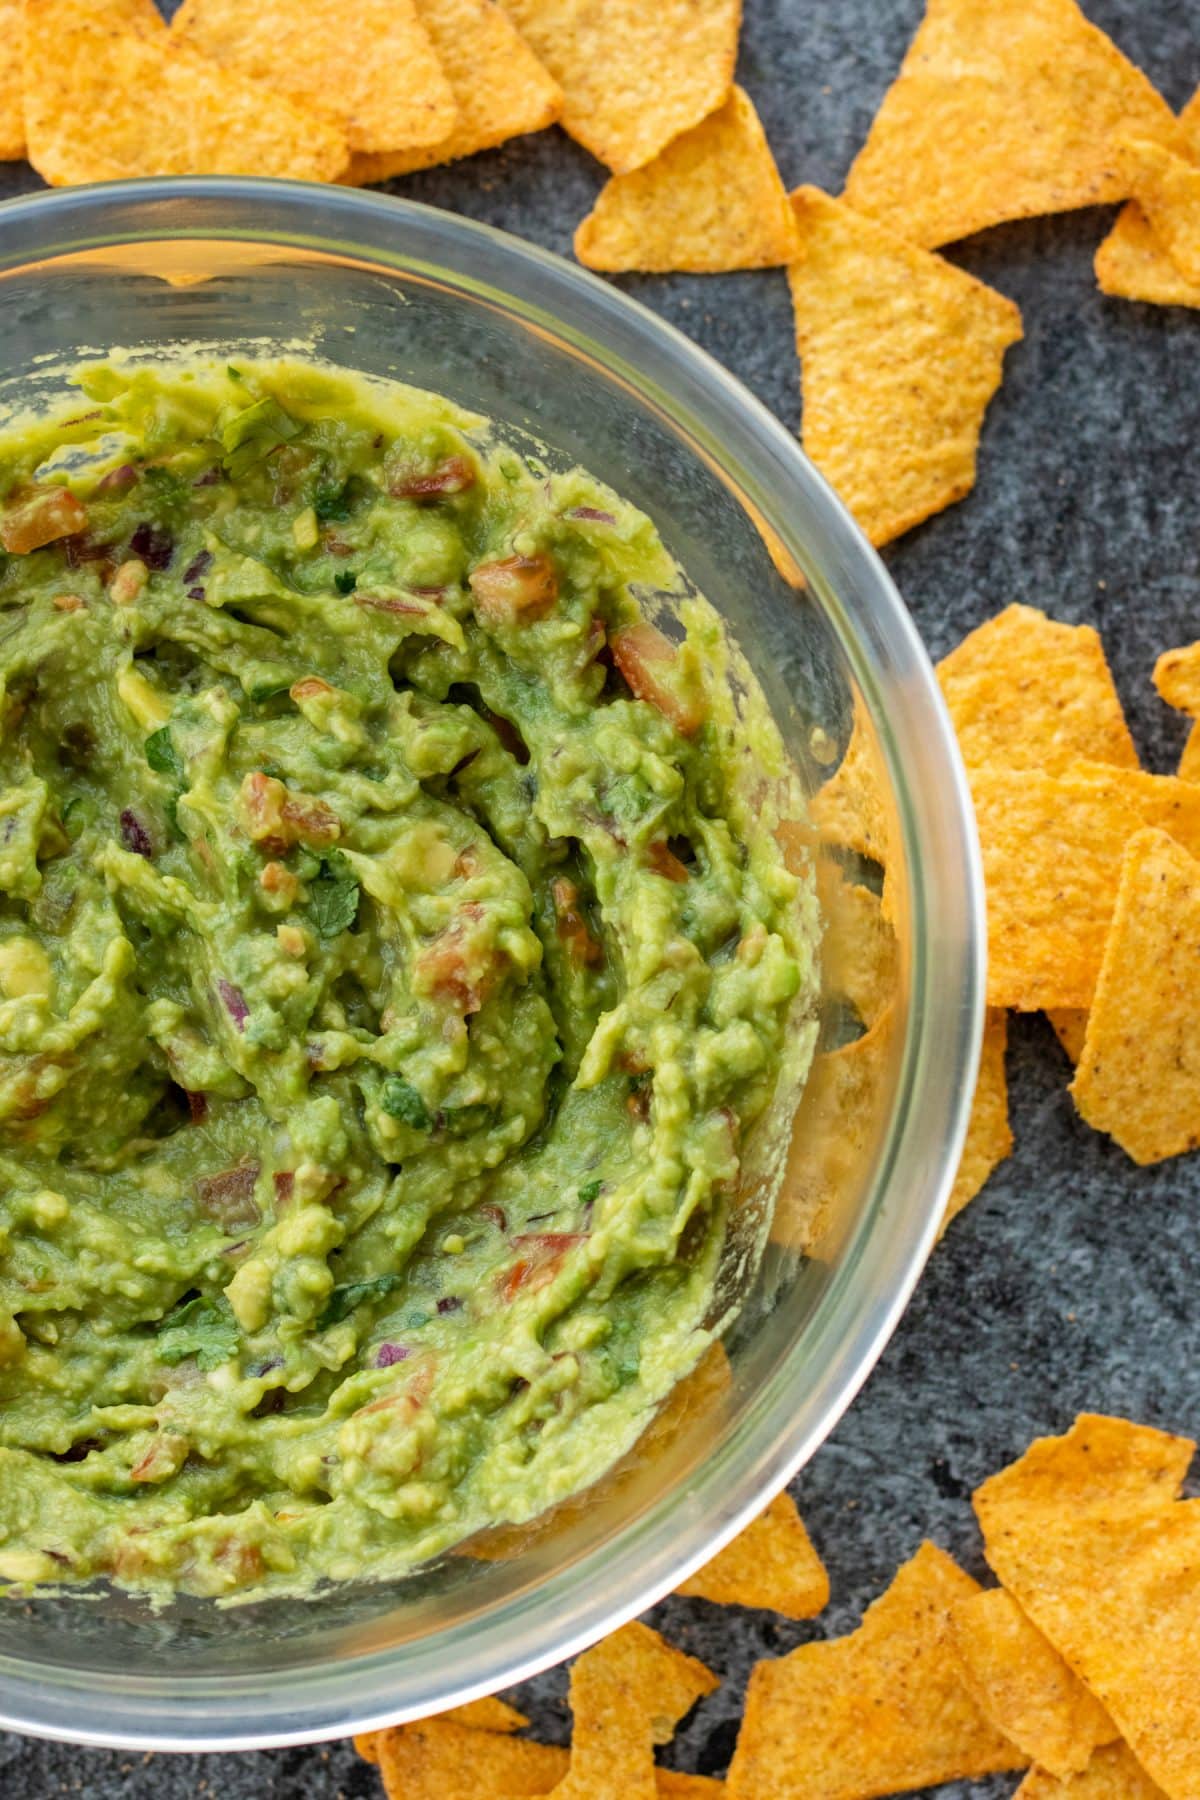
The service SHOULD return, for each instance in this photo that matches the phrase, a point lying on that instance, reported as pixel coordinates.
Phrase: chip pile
(1080, 1671)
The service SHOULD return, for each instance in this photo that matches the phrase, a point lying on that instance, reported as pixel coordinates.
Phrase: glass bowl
(402, 291)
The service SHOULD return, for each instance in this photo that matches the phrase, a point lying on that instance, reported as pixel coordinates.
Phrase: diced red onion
(135, 836)
(387, 1354)
(234, 1002)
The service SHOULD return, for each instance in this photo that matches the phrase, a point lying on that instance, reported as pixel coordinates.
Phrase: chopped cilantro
(351, 1294)
(590, 1191)
(400, 1100)
(162, 755)
(333, 896)
(345, 581)
(204, 1329)
(331, 500)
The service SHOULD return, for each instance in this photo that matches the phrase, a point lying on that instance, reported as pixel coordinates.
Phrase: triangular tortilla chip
(1138, 1076)
(1164, 802)
(873, 1713)
(1070, 1027)
(1189, 757)
(1113, 1774)
(104, 104)
(1003, 109)
(369, 68)
(12, 101)
(1085, 1532)
(443, 1760)
(499, 86)
(1023, 1685)
(1031, 693)
(989, 1135)
(771, 1564)
(1132, 263)
(900, 354)
(1177, 678)
(627, 1695)
(490, 1714)
(712, 200)
(634, 74)
(1167, 188)
(858, 948)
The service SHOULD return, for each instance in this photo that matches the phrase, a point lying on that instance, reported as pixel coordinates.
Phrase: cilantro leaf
(345, 581)
(461, 1121)
(333, 896)
(332, 500)
(204, 1329)
(400, 1100)
(162, 755)
(590, 1191)
(351, 1294)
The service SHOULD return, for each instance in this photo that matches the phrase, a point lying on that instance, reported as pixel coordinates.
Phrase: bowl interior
(399, 292)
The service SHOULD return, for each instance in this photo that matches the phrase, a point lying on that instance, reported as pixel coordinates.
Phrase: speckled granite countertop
(1071, 1281)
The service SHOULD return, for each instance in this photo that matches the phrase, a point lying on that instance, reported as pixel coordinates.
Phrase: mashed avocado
(393, 955)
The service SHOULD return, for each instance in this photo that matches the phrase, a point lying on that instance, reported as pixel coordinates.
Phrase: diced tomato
(584, 950)
(54, 513)
(310, 688)
(165, 1457)
(454, 476)
(663, 861)
(274, 816)
(545, 1251)
(447, 969)
(516, 590)
(647, 660)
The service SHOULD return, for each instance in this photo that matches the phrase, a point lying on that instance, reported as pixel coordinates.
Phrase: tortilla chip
(490, 1714)
(858, 949)
(873, 1713)
(12, 103)
(1189, 758)
(1031, 693)
(1138, 1076)
(712, 200)
(499, 86)
(989, 1136)
(1177, 678)
(1167, 187)
(1003, 109)
(1163, 802)
(442, 1760)
(1070, 1027)
(633, 75)
(105, 104)
(771, 1564)
(369, 69)
(627, 1695)
(850, 811)
(1131, 264)
(833, 1133)
(1023, 1685)
(1085, 1532)
(900, 354)
(689, 1787)
(1113, 1774)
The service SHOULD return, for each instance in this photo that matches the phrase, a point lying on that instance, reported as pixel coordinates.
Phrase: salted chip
(1029, 692)
(1167, 187)
(369, 68)
(1003, 109)
(489, 1714)
(1070, 1028)
(711, 200)
(1086, 1533)
(858, 945)
(1189, 757)
(1163, 802)
(1177, 678)
(900, 354)
(873, 1713)
(499, 86)
(12, 104)
(1138, 1076)
(771, 1564)
(1023, 1685)
(689, 1787)
(105, 103)
(989, 1136)
(1113, 1774)
(850, 811)
(633, 75)
(628, 1694)
(1131, 264)
(442, 1760)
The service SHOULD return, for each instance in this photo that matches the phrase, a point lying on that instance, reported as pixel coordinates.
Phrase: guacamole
(394, 951)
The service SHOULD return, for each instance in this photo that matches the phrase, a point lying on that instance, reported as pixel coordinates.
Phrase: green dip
(393, 955)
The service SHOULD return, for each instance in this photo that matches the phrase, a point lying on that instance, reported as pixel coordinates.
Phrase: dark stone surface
(1070, 1282)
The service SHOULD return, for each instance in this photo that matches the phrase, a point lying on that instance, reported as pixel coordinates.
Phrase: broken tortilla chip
(633, 75)
(1003, 109)
(858, 948)
(370, 69)
(12, 103)
(989, 1136)
(873, 1713)
(1070, 1026)
(1133, 263)
(850, 811)
(1177, 678)
(105, 104)
(1138, 1076)
(489, 1714)
(1113, 1774)
(628, 1694)
(771, 1564)
(1167, 188)
(1189, 757)
(500, 88)
(1086, 1533)
(442, 1760)
(711, 200)
(689, 1787)
(1023, 1685)
(1030, 693)
(900, 354)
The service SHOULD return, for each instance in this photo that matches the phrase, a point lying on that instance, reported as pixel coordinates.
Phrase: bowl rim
(720, 418)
